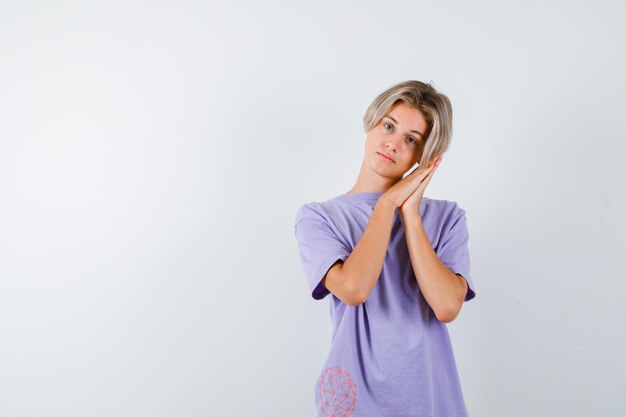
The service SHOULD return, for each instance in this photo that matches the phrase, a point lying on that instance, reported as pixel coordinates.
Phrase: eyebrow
(414, 131)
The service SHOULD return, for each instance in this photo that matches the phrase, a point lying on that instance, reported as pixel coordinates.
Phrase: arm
(353, 280)
(443, 290)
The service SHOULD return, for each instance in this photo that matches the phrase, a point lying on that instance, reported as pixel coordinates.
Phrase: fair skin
(400, 135)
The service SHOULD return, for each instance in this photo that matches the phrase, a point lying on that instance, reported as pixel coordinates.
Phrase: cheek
(372, 142)
(417, 154)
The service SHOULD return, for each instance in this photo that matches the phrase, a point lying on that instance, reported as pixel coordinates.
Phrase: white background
(153, 156)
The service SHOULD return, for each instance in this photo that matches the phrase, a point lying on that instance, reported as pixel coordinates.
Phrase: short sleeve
(319, 247)
(454, 250)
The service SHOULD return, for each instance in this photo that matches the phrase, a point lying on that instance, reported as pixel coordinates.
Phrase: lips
(386, 156)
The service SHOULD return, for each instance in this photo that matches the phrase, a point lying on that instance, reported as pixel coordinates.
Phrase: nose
(392, 142)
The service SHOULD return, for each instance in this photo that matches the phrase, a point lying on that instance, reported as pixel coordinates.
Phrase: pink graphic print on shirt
(337, 392)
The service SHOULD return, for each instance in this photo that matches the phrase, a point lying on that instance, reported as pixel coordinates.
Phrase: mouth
(385, 157)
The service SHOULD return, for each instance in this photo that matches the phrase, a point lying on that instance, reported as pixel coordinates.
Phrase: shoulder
(314, 210)
(446, 219)
(308, 210)
(446, 208)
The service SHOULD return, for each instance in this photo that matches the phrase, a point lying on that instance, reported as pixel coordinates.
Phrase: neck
(370, 182)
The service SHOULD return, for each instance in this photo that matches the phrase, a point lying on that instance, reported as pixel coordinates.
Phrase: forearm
(442, 289)
(364, 265)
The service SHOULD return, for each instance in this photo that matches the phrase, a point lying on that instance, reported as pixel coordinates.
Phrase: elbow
(353, 294)
(356, 297)
(447, 315)
(341, 286)
(445, 318)
(353, 303)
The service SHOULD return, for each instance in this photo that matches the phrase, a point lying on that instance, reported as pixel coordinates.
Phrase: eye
(412, 140)
(388, 124)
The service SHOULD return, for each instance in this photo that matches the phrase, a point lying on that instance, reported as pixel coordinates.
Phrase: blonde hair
(436, 107)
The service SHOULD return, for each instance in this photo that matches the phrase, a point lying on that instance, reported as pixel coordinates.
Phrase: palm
(412, 203)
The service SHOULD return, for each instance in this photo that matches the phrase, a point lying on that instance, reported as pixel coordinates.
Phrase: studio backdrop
(153, 156)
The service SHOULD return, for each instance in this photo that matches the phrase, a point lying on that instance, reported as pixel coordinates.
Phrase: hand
(404, 188)
(412, 203)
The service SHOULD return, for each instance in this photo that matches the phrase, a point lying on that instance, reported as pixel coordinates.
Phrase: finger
(415, 178)
(424, 169)
(427, 179)
(434, 168)
(416, 169)
(421, 168)
(422, 187)
(413, 172)
(437, 160)
(423, 174)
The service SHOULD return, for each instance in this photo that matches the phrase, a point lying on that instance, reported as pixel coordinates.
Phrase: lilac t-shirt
(389, 356)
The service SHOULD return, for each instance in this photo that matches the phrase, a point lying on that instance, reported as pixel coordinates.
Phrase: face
(399, 135)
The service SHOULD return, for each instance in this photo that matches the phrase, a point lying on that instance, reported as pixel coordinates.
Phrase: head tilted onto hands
(435, 107)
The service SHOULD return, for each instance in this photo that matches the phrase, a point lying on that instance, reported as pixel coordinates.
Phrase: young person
(397, 266)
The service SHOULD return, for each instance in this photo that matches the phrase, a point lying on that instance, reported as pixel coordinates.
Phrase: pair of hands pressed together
(406, 195)
(442, 288)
